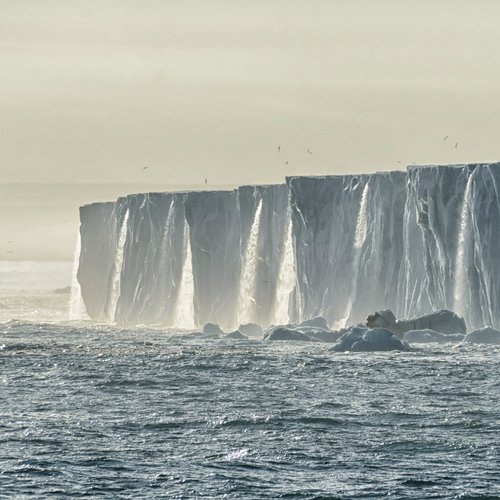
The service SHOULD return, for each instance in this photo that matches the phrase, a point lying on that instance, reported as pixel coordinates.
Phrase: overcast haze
(95, 91)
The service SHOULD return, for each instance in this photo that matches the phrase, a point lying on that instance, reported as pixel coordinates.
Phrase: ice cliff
(338, 246)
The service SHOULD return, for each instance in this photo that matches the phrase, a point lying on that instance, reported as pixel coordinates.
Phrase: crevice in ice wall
(165, 263)
(286, 278)
(184, 311)
(76, 306)
(248, 282)
(460, 288)
(115, 281)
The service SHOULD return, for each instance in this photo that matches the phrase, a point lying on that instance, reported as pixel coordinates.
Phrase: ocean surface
(97, 411)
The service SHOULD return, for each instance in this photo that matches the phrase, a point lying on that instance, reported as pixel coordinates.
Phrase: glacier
(337, 246)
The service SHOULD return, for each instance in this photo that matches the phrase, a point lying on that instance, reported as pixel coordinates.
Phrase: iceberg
(340, 247)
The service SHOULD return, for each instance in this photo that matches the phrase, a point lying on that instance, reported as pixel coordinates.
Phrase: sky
(94, 92)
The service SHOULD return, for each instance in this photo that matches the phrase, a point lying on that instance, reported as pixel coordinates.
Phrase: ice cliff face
(338, 246)
(153, 255)
(451, 242)
(97, 256)
(348, 243)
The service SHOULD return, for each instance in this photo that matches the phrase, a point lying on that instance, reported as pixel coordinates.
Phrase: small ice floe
(485, 335)
(360, 339)
(429, 336)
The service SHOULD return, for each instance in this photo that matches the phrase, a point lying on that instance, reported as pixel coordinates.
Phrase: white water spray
(361, 224)
(359, 239)
(246, 300)
(459, 288)
(184, 311)
(286, 278)
(76, 306)
(115, 282)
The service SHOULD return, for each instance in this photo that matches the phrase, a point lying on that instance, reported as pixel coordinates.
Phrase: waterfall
(360, 233)
(184, 311)
(286, 278)
(460, 281)
(359, 239)
(246, 300)
(117, 269)
(76, 306)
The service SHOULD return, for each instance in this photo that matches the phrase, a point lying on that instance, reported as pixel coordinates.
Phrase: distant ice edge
(340, 246)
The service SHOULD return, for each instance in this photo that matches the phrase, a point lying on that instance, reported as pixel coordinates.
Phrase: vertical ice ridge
(165, 258)
(359, 239)
(115, 280)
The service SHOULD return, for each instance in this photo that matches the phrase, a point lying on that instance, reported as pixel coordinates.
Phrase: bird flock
(308, 152)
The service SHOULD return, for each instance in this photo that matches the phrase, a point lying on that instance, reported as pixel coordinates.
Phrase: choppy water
(97, 411)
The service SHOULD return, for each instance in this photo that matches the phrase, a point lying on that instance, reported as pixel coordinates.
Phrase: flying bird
(144, 168)
(279, 148)
(309, 151)
(206, 181)
(444, 140)
(456, 145)
(286, 163)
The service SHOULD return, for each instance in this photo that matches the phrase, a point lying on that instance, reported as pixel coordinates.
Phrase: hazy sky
(93, 91)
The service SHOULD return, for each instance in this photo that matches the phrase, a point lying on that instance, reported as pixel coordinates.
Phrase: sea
(97, 411)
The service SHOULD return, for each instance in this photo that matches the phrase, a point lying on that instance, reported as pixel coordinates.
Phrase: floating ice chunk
(236, 335)
(288, 333)
(364, 340)
(427, 335)
(251, 330)
(485, 335)
(318, 321)
(212, 329)
(442, 321)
